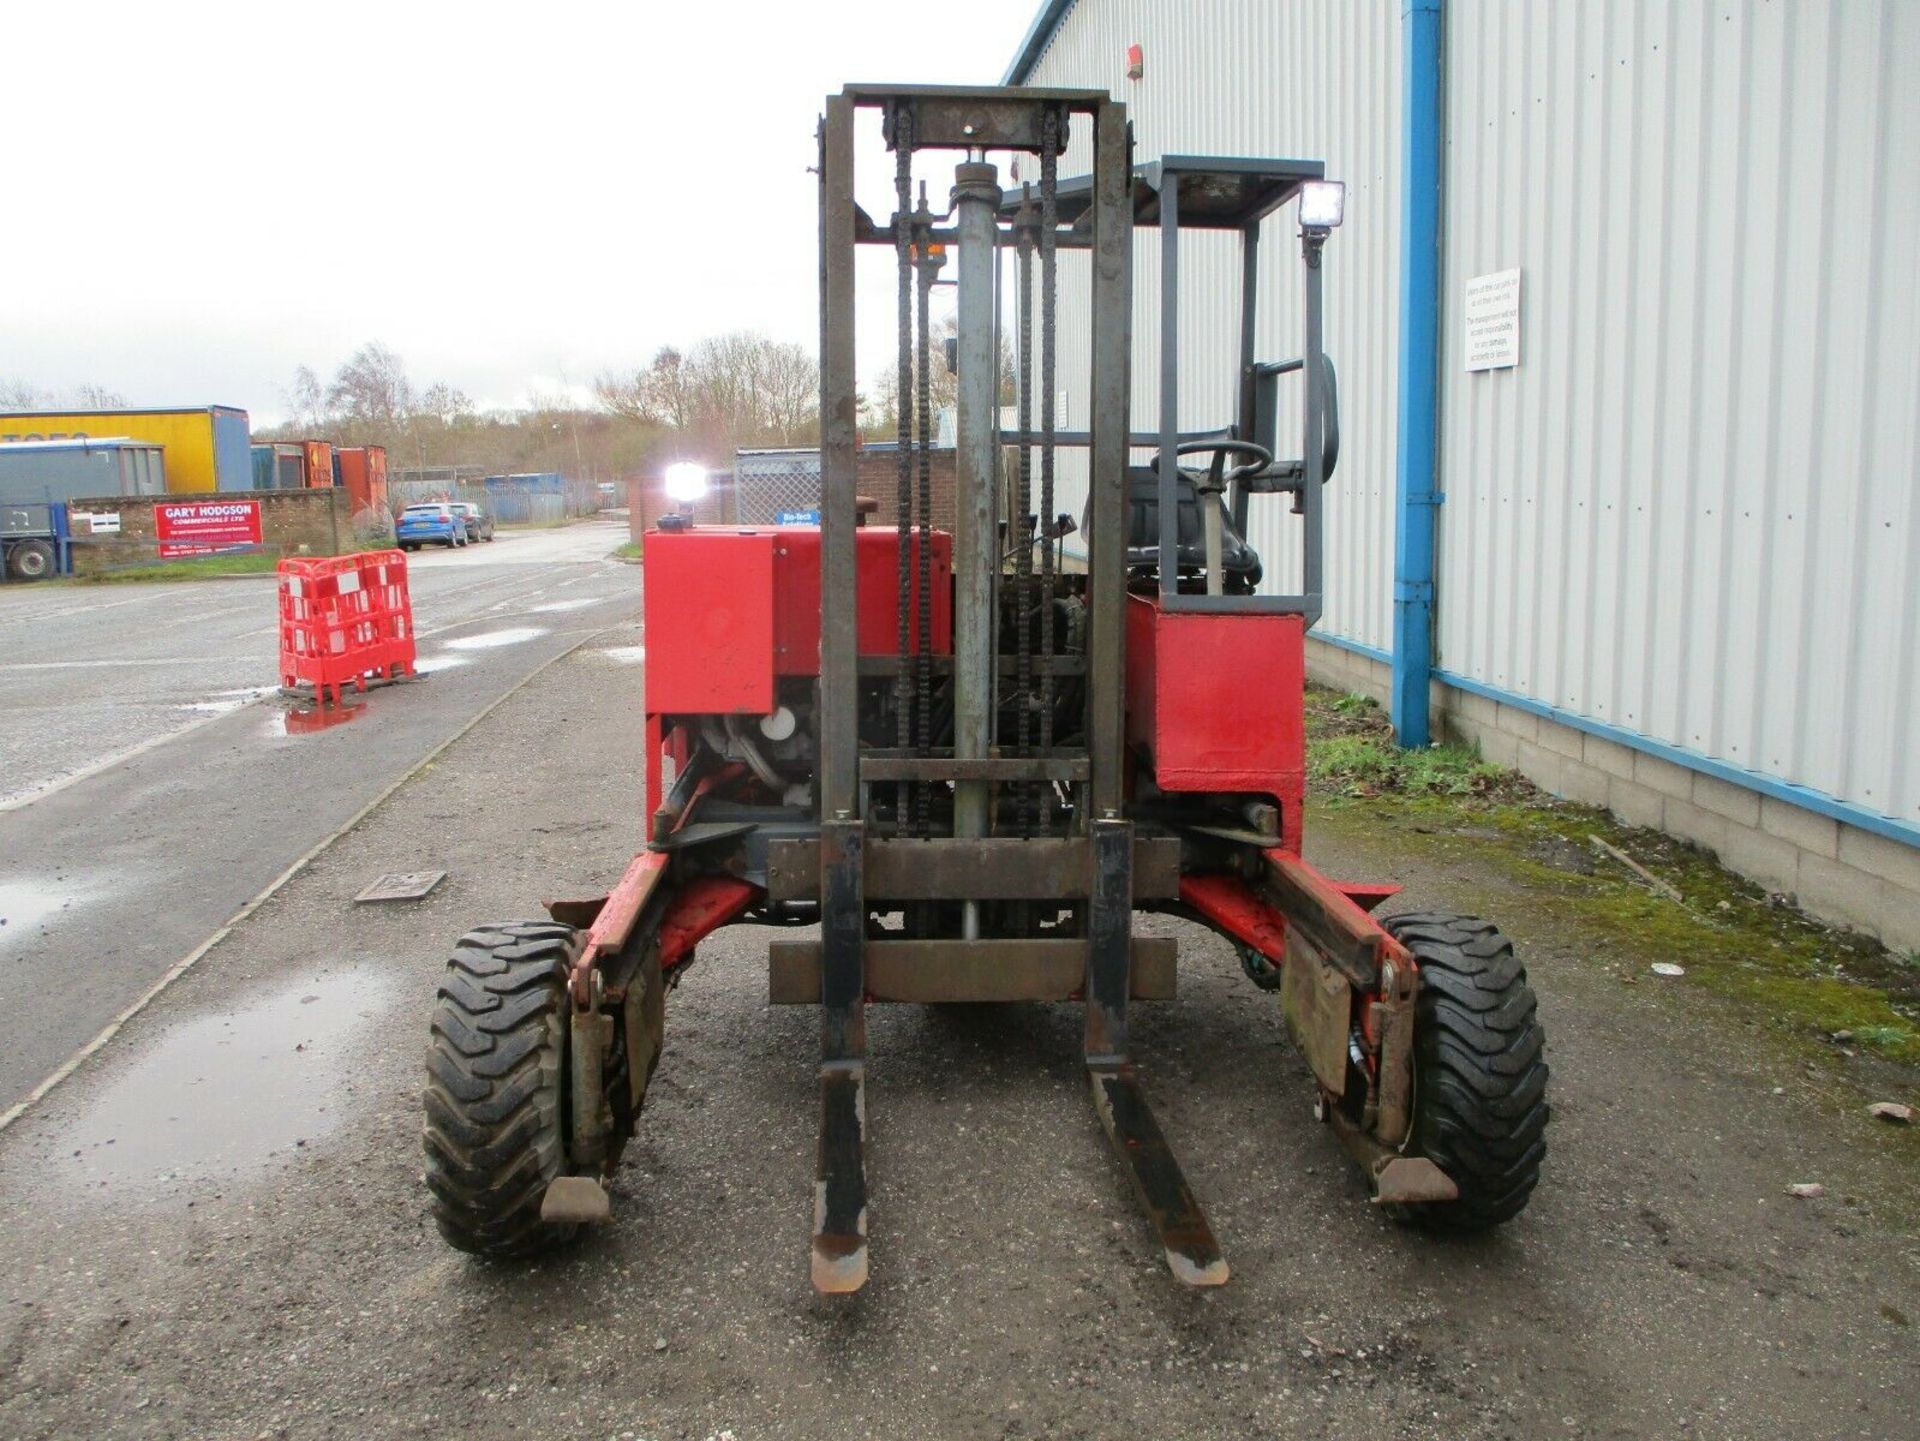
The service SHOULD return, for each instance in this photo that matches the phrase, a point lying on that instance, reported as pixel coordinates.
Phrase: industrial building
(1626, 314)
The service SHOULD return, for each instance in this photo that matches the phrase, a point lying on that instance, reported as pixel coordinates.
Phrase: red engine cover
(1217, 703)
(730, 608)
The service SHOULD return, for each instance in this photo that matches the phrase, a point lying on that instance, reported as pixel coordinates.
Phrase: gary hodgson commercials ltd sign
(204, 527)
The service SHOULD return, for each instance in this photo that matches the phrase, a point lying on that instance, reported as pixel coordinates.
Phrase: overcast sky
(206, 195)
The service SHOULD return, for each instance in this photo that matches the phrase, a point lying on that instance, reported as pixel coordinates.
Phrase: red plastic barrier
(344, 619)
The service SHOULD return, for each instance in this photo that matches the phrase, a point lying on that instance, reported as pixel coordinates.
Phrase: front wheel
(1480, 1071)
(30, 560)
(496, 1088)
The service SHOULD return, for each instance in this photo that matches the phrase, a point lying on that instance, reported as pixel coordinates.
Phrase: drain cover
(401, 886)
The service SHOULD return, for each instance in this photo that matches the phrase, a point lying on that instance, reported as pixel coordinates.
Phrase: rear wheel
(496, 1113)
(30, 560)
(1480, 1070)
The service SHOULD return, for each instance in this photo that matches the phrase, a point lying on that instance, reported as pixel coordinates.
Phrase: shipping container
(362, 470)
(206, 449)
(279, 465)
(38, 480)
(319, 464)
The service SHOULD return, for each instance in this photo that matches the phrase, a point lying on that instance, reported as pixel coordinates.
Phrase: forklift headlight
(1322, 203)
(686, 482)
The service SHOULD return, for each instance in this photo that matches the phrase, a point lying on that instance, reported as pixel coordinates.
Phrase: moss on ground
(1828, 986)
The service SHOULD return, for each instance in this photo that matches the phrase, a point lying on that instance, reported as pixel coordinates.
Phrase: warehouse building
(1626, 311)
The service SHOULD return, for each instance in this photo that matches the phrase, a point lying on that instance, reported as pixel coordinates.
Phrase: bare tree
(19, 395)
(305, 401)
(657, 395)
(880, 405)
(372, 388)
(743, 388)
(445, 404)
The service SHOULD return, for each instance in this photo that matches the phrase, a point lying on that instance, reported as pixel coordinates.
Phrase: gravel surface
(217, 1229)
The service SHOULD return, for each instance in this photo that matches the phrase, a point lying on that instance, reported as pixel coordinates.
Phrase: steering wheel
(1218, 476)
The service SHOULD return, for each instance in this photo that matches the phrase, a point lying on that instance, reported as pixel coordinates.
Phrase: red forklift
(957, 761)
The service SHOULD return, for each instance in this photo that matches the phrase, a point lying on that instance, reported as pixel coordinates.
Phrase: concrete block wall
(1835, 871)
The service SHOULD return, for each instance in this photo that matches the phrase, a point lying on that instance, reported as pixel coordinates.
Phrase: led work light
(686, 482)
(1322, 202)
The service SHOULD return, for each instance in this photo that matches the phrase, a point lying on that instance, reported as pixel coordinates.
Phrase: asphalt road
(153, 781)
(217, 1227)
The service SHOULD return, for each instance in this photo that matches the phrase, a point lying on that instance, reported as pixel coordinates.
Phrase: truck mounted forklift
(957, 761)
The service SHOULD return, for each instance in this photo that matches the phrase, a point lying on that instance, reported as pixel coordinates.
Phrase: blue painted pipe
(1416, 492)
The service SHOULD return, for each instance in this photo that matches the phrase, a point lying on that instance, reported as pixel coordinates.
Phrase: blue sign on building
(797, 517)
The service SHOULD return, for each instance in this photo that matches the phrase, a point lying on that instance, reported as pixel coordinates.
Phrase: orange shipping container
(363, 471)
(319, 463)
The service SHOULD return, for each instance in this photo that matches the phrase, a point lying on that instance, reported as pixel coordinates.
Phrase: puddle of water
(227, 1094)
(427, 665)
(24, 905)
(552, 606)
(305, 720)
(625, 654)
(488, 640)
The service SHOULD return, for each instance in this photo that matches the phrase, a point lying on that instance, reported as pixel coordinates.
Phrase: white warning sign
(1493, 320)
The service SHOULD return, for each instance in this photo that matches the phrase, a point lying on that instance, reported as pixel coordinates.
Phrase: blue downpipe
(1416, 489)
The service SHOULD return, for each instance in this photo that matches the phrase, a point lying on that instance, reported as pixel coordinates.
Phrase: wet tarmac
(175, 825)
(494, 639)
(306, 720)
(25, 905)
(223, 1095)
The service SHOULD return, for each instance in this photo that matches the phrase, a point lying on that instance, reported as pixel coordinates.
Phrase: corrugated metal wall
(1316, 79)
(1690, 511)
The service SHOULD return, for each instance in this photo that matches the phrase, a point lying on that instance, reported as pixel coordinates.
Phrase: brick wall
(878, 475)
(1832, 870)
(292, 522)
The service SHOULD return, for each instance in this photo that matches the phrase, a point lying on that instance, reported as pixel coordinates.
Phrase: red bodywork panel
(709, 622)
(876, 558)
(1217, 703)
(728, 609)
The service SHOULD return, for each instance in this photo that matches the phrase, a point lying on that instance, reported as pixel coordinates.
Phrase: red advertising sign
(205, 527)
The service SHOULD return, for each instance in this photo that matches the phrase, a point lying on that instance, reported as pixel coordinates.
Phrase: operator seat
(1239, 562)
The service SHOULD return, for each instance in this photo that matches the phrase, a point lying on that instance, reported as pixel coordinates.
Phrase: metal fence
(776, 487)
(507, 504)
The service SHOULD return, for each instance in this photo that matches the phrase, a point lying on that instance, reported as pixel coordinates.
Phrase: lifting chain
(1050, 143)
(1023, 512)
(903, 499)
(923, 442)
